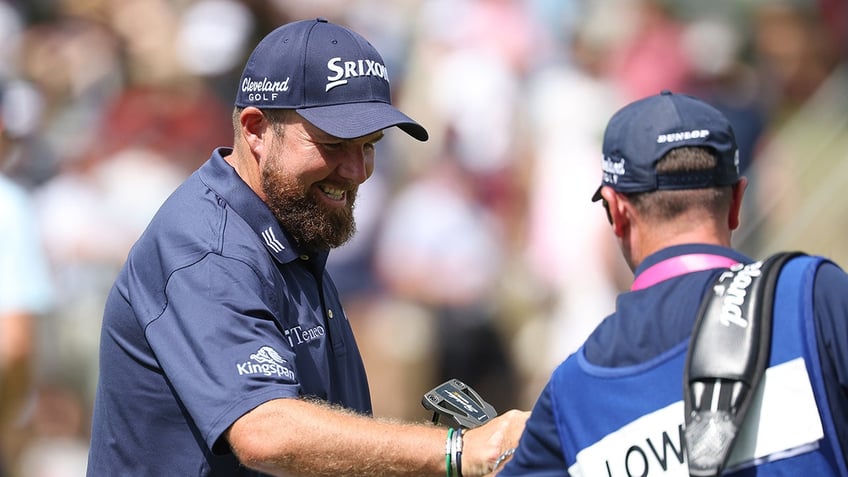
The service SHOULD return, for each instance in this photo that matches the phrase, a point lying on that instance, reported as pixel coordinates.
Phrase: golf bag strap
(727, 357)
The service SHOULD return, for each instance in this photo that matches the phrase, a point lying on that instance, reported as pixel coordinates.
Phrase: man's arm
(16, 341)
(292, 436)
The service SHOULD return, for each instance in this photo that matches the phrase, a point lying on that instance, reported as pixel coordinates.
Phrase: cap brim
(352, 120)
(597, 195)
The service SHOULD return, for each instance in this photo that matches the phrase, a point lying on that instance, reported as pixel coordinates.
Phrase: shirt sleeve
(219, 344)
(831, 316)
(832, 310)
(539, 452)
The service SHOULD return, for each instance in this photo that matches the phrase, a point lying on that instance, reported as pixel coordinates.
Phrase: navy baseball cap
(330, 75)
(641, 133)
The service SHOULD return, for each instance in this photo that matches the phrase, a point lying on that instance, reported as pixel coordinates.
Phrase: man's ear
(738, 192)
(617, 210)
(254, 126)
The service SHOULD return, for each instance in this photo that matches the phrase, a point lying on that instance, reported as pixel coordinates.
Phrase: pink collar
(674, 266)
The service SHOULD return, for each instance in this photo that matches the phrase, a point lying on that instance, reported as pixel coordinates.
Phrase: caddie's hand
(483, 445)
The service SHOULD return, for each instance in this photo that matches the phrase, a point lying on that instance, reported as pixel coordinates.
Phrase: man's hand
(483, 445)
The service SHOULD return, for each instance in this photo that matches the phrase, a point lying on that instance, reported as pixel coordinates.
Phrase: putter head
(458, 404)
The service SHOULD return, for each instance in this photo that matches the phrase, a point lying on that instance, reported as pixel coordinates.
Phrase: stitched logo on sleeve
(266, 361)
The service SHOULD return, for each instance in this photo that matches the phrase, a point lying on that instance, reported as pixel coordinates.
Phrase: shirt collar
(225, 181)
(677, 250)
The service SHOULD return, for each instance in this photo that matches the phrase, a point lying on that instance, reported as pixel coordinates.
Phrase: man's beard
(303, 217)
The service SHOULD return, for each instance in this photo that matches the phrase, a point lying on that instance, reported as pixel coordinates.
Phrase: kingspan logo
(266, 361)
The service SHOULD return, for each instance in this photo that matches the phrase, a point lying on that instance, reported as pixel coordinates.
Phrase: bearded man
(224, 348)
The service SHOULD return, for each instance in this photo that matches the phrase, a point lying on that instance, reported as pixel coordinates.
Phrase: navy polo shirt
(649, 322)
(214, 313)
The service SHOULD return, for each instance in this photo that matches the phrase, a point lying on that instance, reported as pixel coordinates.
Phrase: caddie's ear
(617, 209)
(738, 192)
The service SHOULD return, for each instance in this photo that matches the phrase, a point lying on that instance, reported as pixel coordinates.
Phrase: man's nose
(354, 167)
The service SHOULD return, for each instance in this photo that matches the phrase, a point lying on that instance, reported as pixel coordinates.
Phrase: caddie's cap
(641, 133)
(329, 74)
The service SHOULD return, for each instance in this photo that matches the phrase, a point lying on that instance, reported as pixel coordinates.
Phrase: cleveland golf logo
(263, 89)
(266, 361)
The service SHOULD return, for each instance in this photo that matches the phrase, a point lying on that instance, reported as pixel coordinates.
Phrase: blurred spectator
(834, 16)
(440, 250)
(25, 294)
(801, 159)
(58, 435)
(647, 54)
(722, 78)
(793, 51)
(569, 102)
(73, 62)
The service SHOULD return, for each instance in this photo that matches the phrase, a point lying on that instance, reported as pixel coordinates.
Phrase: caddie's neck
(640, 236)
(648, 238)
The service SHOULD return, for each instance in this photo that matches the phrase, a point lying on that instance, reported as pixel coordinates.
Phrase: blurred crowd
(479, 255)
